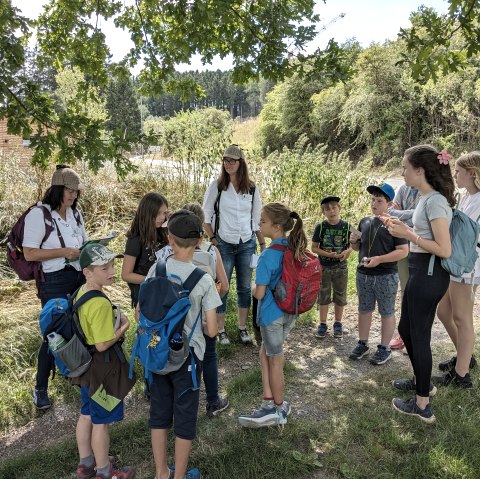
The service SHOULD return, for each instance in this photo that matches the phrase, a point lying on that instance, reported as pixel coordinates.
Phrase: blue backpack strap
(161, 269)
(195, 276)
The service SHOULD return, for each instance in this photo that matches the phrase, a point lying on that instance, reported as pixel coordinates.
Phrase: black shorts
(174, 403)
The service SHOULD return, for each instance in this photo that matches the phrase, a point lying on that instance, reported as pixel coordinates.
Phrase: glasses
(230, 161)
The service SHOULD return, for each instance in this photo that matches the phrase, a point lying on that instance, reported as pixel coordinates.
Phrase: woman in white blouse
(456, 308)
(232, 210)
(58, 254)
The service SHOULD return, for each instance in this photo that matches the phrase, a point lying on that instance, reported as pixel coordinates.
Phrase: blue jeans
(57, 285)
(210, 369)
(238, 256)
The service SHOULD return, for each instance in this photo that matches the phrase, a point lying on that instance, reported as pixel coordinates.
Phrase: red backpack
(297, 290)
(28, 270)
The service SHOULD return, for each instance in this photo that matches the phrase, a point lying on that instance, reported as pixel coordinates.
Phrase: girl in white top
(456, 308)
(58, 253)
(233, 231)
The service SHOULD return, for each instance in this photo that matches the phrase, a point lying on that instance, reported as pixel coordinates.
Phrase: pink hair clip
(444, 157)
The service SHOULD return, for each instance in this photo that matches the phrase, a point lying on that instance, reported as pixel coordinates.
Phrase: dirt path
(320, 364)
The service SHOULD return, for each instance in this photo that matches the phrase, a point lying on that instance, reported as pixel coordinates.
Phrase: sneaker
(265, 415)
(244, 336)
(126, 472)
(396, 343)
(381, 356)
(215, 408)
(337, 329)
(223, 339)
(286, 407)
(409, 406)
(452, 378)
(193, 474)
(281, 416)
(409, 385)
(88, 472)
(41, 399)
(452, 362)
(360, 350)
(321, 331)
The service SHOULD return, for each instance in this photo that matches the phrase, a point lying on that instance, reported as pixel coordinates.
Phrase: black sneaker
(409, 385)
(321, 331)
(41, 399)
(410, 407)
(452, 378)
(360, 350)
(244, 336)
(337, 329)
(215, 408)
(381, 356)
(452, 362)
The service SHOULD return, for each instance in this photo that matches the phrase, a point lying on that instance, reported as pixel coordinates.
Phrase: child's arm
(400, 252)
(343, 256)
(210, 327)
(259, 290)
(127, 271)
(221, 274)
(124, 325)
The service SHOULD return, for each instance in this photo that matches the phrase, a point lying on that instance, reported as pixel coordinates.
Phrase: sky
(366, 20)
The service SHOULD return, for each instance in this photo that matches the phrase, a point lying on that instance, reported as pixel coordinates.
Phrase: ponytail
(289, 220)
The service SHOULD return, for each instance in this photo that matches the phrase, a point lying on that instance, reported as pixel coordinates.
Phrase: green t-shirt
(96, 319)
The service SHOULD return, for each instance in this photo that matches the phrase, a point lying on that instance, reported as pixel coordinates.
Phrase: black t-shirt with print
(331, 238)
(376, 241)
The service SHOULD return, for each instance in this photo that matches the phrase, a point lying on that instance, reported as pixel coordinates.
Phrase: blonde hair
(281, 215)
(471, 161)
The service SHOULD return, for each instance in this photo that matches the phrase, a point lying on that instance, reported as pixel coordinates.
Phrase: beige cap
(67, 177)
(234, 152)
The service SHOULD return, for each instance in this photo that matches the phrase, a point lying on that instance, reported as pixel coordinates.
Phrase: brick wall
(13, 145)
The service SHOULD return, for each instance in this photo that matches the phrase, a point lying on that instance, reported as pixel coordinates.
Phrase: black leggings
(419, 305)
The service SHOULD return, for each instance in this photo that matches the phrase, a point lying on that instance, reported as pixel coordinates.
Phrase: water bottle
(55, 341)
(176, 343)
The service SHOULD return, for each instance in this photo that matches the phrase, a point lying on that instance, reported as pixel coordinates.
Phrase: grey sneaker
(337, 329)
(321, 331)
(223, 339)
(360, 350)
(41, 399)
(381, 356)
(265, 415)
(244, 336)
(410, 407)
(409, 385)
(215, 408)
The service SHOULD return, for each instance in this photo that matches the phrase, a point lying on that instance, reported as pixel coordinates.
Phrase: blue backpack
(464, 234)
(60, 315)
(163, 303)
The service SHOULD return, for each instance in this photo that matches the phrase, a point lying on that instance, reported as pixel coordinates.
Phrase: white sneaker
(223, 338)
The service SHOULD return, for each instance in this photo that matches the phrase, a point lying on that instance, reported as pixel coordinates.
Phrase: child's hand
(372, 262)
(344, 255)
(354, 237)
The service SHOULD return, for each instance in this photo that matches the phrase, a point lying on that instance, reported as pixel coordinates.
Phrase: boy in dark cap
(173, 401)
(331, 242)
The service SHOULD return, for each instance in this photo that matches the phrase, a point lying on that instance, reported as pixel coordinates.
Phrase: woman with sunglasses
(232, 210)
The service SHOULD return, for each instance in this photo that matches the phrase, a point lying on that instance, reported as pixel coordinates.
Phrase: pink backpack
(298, 287)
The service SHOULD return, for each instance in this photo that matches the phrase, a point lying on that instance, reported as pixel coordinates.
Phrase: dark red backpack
(28, 270)
(298, 287)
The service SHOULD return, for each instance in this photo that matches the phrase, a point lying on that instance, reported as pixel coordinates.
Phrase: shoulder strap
(76, 215)
(194, 277)
(94, 293)
(59, 233)
(278, 247)
(161, 268)
(47, 216)
(252, 193)
(216, 210)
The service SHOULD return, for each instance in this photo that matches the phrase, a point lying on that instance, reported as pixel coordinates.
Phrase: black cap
(328, 199)
(185, 224)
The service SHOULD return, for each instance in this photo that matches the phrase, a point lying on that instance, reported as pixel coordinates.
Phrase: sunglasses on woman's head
(230, 161)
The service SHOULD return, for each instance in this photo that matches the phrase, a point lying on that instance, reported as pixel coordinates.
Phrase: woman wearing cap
(58, 253)
(232, 210)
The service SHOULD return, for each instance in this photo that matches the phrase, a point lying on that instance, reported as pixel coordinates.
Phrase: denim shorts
(173, 402)
(379, 288)
(97, 413)
(334, 279)
(275, 333)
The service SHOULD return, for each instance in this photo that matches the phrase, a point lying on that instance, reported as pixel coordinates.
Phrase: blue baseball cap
(384, 188)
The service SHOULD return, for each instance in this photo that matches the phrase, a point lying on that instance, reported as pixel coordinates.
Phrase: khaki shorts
(334, 279)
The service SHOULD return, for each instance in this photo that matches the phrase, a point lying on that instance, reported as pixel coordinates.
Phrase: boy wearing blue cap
(377, 274)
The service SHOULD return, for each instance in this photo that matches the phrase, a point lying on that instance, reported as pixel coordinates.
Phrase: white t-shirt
(203, 297)
(236, 213)
(470, 205)
(73, 235)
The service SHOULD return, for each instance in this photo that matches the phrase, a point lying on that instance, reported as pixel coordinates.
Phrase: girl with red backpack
(276, 220)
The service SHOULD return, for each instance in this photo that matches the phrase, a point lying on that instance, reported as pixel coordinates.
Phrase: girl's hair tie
(444, 157)
(294, 215)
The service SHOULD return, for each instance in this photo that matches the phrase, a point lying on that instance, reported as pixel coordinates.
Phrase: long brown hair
(288, 220)
(143, 225)
(244, 182)
(437, 175)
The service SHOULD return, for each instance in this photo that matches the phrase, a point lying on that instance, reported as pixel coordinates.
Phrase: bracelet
(212, 238)
(417, 240)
